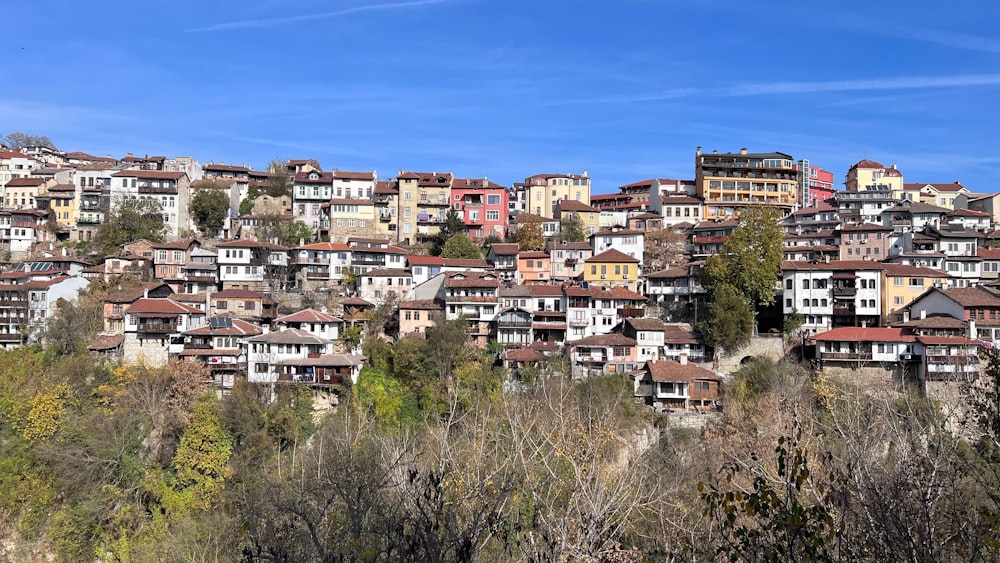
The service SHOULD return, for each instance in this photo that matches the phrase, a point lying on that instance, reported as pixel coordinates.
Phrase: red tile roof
(523, 355)
(969, 213)
(972, 297)
(612, 255)
(952, 187)
(946, 340)
(671, 371)
(612, 339)
(13, 154)
(226, 168)
(912, 271)
(309, 316)
(165, 306)
(149, 174)
(538, 290)
(421, 305)
(471, 279)
(507, 249)
(238, 327)
(577, 206)
(323, 178)
(240, 294)
(345, 175)
(858, 334)
(425, 260)
(533, 255)
(106, 342)
(30, 182)
(832, 265)
(868, 164)
(330, 246)
(469, 263)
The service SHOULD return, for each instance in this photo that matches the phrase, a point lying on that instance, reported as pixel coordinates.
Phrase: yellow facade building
(423, 201)
(545, 191)
(612, 268)
(870, 176)
(902, 284)
(729, 182)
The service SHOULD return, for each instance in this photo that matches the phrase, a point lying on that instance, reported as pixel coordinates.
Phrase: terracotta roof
(245, 243)
(612, 339)
(289, 336)
(130, 295)
(912, 271)
(323, 178)
(326, 360)
(937, 321)
(673, 334)
(533, 254)
(471, 279)
(475, 184)
(952, 187)
(149, 174)
(106, 342)
(612, 255)
(965, 213)
(539, 290)
(345, 175)
(309, 316)
(465, 263)
(507, 249)
(62, 188)
(331, 246)
(864, 228)
(615, 293)
(832, 265)
(421, 305)
(523, 355)
(182, 244)
(13, 154)
(387, 273)
(646, 324)
(226, 168)
(165, 306)
(236, 327)
(671, 371)
(972, 297)
(680, 200)
(240, 294)
(569, 246)
(385, 187)
(616, 232)
(211, 351)
(368, 240)
(867, 164)
(425, 260)
(30, 182)
(858, 334)
(577, 206)
(350, 201)
(947, 340)
(356, 301)
(671, 273)
(917, 207)
(988, 253)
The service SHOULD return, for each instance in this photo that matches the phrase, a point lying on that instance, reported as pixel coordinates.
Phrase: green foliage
(571, 230)
(490, 241)
(351, 336)
(460, 245)
(130, 220)
(730, 319)
(285, 232)
(452, 226)
(209, 208)
(388, 399)
(793, 322)
(529, 236)
(279, 183)
(750, 260)
(246, 206)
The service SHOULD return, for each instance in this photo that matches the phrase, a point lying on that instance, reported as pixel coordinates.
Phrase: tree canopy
(750, 260)
(209, 208)
(459, 245)
(453, 225)
(529, 236)
(283, 230)
(279, 183)
(130, 220)
(730, 319)
(571, 230)
(19, 140)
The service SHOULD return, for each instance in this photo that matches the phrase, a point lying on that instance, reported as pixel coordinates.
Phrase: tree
(750, 260)
(730, 319)
(130, 220)
(453, 225)
(285, 231)
(278, 183)
(571, 230)
(19, 140)
(793, 322)
(209, 209)
(664, 248)
(529, 236)
(460, 246)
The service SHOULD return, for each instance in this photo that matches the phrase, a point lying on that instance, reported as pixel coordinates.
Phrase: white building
(168, 189)
(626, 241)
(837, 293)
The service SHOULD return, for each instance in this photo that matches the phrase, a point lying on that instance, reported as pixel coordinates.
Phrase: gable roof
(165, 306)
(671, 371)
(149, 174)
(612, 255)
(505, 249)
(308, 316)
(858, 334)
(289, 336)
(231, 327)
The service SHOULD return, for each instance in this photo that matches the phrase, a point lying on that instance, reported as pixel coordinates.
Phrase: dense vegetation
(435, 456)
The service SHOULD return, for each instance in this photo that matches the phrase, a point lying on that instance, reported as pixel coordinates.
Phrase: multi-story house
(603, 353)
(320, 265)
(544, 191)
(908, 217)
(838, 293)
(708, 237)
(474, 296)
(976, 304)
(902, 284)
(587, 217)
(169, 260)
(941, 195)
(221, 345)
(821, 217)
(201, 273)
(676, 386)
(310, 190)
(354, 185)
(369, 254)
(247, 264)
(319, 323)
(21, 192)
(417, 315)
(612, 268)
(243, 304)
(15, 164)
(815, 184)
(628, 242)
(117, 303)
(513, 327)
(970, 219)
(423, 201)
(678, 284)
(991, 263)
(153, 329)
(386, 201)
(856, 347)
(568, 259)
(503, 257)
(678, 208)
(482, 205)
(598, 310)
(533, 267)
(864, 207)
(865, 241)
(341, 219)
(960, 248)
(814, 246)
(290, 355)
(648, 334)
(239, 175)
(169, 189)
(870, 176)
(377, 286)
(61, 202)
(728, 182)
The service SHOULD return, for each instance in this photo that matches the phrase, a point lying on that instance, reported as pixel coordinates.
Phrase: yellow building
(386, 198)
(941, 195)
(612, 268)
(20, 193)
(588, 217)
(545, 191)
(64, 202)
(423, 201)
(902, 284)
(341, 219)
(870, 176)
(729, 182)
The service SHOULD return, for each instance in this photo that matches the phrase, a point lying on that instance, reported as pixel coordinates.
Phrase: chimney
(864, 324)
(585, 174)
(923, 314)
(145, 293)
(743, 151)
(697, 151)
(972, 330)
(684, 359)
(715, 151)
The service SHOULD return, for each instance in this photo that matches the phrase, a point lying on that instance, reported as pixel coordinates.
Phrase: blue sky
(624, 89)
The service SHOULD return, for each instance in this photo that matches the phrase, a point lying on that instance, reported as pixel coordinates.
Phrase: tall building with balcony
(169, 189)
(423, 202)
(482, 205)
(730, 182)
(310, 190)
(870, 176)
(542, 192)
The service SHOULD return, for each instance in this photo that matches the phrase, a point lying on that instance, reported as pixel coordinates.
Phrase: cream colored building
(545, 191)
(15, 164)
(343, 218)
(730, 182)
(870, 176)
(423, 202)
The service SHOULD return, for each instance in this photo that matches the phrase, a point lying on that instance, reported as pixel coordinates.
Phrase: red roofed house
(533, 267)
(243, 304)
(978, 305)
(321, 265)
(503, 256)
(837, 293)
(248, 264)
(310, 190)
(602, 353)
(418, 315)
(319, 323)
(567, 259)
(856, 346)
(474, 296)
(15, 164)
(221, 344)
(942, 195)
(369, 254)
(668, 385)
(153, 329)
(612, 268)
(482, 204)
(169, 259)
(588, 218)
(169, 189)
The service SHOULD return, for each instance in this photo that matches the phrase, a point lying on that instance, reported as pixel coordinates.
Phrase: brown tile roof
(330, 246)
(425, 260)
(671, 371)
(387, 273)
(303, 178)
(181, 244)
(673, 334)
(465, 263)
(569, 246)
(832, 265)
(972, 297)
(149, 174)
(912, 271)
(238, 327)
(289, 336)
(326, 360)
(533, 255)
(240, 294)
(523, 355)
(612, 339)
(507, 249)
(538, 290)
(867, 164)
(421, 305)
(345, 175)
(612, 255)
(988, 253)
(471, 279)
(164, 305)
(935, 321)
(858, 334)
(225, 168)
(952, 187)
(30, 182)
(577, 206)
(106, 342)
(309, 316)
(645, 324)
(357, 302)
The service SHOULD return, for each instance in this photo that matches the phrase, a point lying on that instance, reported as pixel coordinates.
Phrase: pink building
(482, 205)
(816, 186)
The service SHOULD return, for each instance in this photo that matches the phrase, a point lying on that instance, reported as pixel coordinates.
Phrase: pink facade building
(482, 205)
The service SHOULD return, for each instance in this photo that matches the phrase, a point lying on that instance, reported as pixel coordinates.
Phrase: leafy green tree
(130, 220)
(19, 140)
(285, 231)
(750, 260)
(793, 321)
(529, 236)
(730, 319)
(209, 209)
(453, 225)
(490, 241)
(279, 183)
(460, 246)
(201, 462)
(571, 229)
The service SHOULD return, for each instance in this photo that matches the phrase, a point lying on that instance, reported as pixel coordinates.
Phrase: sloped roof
(612, 255)
(972, 297)
(309, 316)
(106, 342)
(162, 305)
(506, 249)
(289, 336)
(912, 271)
(936, 321)
(421, 305)
(646, 324)
(671, 371)
(859, 334)
(149, 174)
(235, 327)
(239, 294)
(612, 339)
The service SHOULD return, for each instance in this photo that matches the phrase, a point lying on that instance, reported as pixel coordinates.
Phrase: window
(416, 315)
(788, 283)
(493, 215)
(222, 305)
(249, 306)
(916, 282)
(788, 303)
(897, 281)
(408, 315)
(897, 300)
(492, 200)
(805, 284)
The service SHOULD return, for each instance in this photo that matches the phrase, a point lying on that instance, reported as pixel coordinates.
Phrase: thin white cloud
(272, 22)
(785, 88)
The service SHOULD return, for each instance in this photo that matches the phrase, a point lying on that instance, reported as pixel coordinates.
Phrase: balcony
(89, 219)
(90, 205)
(429, 219)
(843, 311)
(579, 322)
(477, 220)
(385, 218)
(845, 292)
(367, 260)
(514, 324)
(631, 313)
(156, 328)
(158, 190)
(570, 262)
(435, 201)
(317, 275)
(846, 356)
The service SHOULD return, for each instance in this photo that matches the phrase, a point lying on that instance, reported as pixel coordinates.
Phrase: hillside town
(896, 275)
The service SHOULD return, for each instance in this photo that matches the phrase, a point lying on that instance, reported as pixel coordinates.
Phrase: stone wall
(773, 348)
